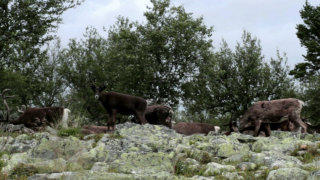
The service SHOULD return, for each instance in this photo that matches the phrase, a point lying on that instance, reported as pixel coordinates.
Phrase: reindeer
(125, 104)
(35, 118)
(158, 115)
(264, 113)
(187, 128)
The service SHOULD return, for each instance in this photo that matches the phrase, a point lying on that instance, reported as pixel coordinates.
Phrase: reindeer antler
(4, 98)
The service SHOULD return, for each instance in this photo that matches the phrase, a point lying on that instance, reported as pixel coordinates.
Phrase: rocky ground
(156, 152)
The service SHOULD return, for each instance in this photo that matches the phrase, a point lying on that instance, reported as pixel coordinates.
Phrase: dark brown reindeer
(37, 118)
(189, 128)
(125, 104)
(158, 115)
(282, 111)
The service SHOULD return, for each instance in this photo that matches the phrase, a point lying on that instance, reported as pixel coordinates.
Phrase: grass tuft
(76, 132)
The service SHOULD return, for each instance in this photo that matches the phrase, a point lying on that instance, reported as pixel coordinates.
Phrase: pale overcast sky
(272, 21)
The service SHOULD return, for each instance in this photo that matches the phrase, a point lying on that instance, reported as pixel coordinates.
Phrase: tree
(308, 72)
(152, 60)
(25, 28)
(175, 44)
(311, 98)
(309, 36)
(232, 80)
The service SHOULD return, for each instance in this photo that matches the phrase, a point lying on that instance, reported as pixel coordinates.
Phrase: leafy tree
(309, 36)
(308, 72)
(26, 65)
(176, 44)
(311, 97)
(232, 80)
(25, 27)
(151, 60)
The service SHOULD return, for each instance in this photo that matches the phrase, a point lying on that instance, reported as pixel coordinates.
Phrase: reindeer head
(98, 90)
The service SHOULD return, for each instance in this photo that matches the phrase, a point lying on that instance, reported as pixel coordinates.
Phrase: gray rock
(287, 174)
(315, 175)
(216, 169)
(247, 166)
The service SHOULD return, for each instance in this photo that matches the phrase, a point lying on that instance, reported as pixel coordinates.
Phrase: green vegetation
(76, 132)
(308, 155)
(184, 169)
(27, 67)
(96, 138)
(116, 135)
(308, 72)
(168, 59)
(23, 171)
(11, 134)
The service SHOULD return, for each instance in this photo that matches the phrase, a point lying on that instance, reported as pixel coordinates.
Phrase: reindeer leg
(141, 117)
(257, 127)
(114, 113)
(109, 121)
(267, 130)
(295, 118)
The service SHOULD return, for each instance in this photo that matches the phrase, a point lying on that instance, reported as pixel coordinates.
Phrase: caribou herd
(259, 119)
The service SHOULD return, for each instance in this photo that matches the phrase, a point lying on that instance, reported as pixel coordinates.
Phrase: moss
(113, 170)
(76, 132)
(116, 135)
(23, 171)
(12, 134)
(96, 139)
(2, 163)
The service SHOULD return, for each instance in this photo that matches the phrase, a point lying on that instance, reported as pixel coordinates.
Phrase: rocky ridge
(156, 152)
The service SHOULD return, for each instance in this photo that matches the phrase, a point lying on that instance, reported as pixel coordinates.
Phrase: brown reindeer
(125, 104)
(264, 113)
(194, 128)
(158, 115)
(37, 118)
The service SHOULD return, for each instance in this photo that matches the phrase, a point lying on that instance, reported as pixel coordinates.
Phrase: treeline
(168, 59)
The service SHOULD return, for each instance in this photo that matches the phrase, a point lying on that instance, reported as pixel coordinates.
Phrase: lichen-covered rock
(224, 146)
(246, 166)
(187, 166)
(315, 175)
(51, 166)
(147, 151)
(313, 166)
(287, 174)
(100, 166)
(15, 160)
(137, 163)
(232, 175)
(58, 176)
(59, 148)
(216, 169)
(20, 128)
(93, 175)
(274, 158)
(86, 158)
